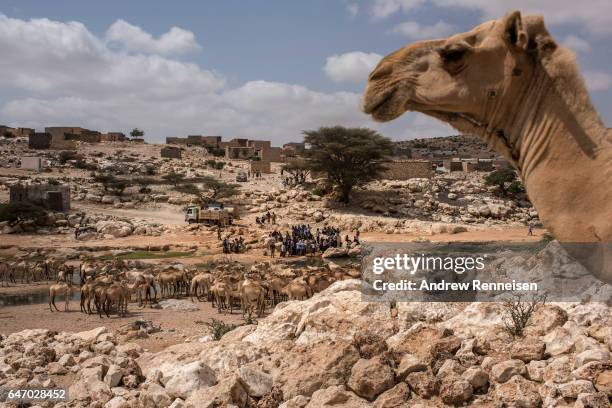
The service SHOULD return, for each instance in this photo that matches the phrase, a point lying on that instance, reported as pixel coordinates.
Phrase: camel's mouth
(460, 121)
(384, 106)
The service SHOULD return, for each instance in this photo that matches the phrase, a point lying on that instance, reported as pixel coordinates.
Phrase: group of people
(303, 241)
(235, 246)
(294, 180)
(256, 174)
(269, 218)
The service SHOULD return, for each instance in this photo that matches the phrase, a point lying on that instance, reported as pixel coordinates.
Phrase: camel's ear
(514, 32)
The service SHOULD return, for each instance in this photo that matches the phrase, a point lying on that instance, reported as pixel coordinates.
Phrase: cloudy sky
(263, 69)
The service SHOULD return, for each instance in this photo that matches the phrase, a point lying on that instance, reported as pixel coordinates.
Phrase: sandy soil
(176, 325)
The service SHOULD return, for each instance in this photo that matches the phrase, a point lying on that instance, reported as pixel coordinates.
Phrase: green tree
(173, 178)
(135, 133)
(349, 156)
(144, 183)
(211, 189)
(499, 178)
(105, 179)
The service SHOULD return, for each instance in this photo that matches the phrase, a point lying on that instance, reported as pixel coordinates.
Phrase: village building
(260, 166)
(39, 141)
(171, 152)
(293, 149)
(11, 132)
(50, 196)
(406, 169)
(32, 163)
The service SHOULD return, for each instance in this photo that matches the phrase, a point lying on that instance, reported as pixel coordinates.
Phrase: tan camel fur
(510, 83)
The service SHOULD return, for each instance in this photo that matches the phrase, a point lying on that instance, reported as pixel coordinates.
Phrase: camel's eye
(453, 56)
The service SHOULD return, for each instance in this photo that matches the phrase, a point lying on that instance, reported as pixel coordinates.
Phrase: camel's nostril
(381, 72)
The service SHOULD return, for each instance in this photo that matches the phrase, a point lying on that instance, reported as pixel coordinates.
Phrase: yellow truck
(213, 214)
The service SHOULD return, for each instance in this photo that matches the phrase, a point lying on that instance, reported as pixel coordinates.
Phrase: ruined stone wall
(407, 169)
(261, 166)
(272, 154)
(43, 195)
(39, 141)
(170, 152)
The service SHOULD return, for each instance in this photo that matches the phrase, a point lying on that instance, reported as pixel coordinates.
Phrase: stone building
(39, 141)
(50, 196)
(261, 166)
(407, 169)
(172, 152)
(453, 165)
(239, 152)
(293, 149)
(8, 131)
(272, 154)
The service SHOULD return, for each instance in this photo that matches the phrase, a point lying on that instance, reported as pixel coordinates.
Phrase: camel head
(466, 80)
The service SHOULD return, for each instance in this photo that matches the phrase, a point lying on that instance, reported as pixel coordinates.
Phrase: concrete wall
(272, 154)
(170, 152)
(31, 163)
(407, 169)
(453, 165)
(40, 194)
(232, 152)
(39, 141)
(259, 144)
(260, 165)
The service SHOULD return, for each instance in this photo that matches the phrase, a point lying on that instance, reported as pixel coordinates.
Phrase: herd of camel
(107, 287)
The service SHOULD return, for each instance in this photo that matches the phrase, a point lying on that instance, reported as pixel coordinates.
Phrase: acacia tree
(211, 189)
(349, 156)
(298, 169)
(135, 133)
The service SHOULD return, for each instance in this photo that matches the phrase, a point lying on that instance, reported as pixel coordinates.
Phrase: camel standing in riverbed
(510, 83)
(57, 289)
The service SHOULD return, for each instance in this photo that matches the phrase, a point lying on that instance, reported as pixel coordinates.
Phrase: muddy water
(35, 297)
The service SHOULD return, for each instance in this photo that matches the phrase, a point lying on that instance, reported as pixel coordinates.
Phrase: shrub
(518, 312)
(12, 211)
(219, 328)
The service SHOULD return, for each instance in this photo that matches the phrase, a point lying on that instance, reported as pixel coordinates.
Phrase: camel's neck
(561, 148)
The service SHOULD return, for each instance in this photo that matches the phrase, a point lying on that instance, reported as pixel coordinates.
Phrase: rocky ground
(332, 350)
(335, 350)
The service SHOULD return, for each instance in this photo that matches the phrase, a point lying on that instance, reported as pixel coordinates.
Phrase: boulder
(597, 400)
(396, 397)
(573, 388)
(592, 355)
(336, 397)
(518, 392)
(528, 350)
(505, 370)
(184, 379)
(255, 382)
(455, 391)
(371, 377)
(335, 253)
(228, 392)
(409, 364)
(477, 377)
(423, 383)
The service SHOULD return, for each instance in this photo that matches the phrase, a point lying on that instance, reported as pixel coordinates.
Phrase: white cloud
(352, 66)
(597, 80)
(416, 31)
(61, 74)
(594, 15)
(134, 38)
(385, 8)
(576, 43)
(353, 9)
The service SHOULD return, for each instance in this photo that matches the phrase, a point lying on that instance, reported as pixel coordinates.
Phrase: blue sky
(265, 69)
